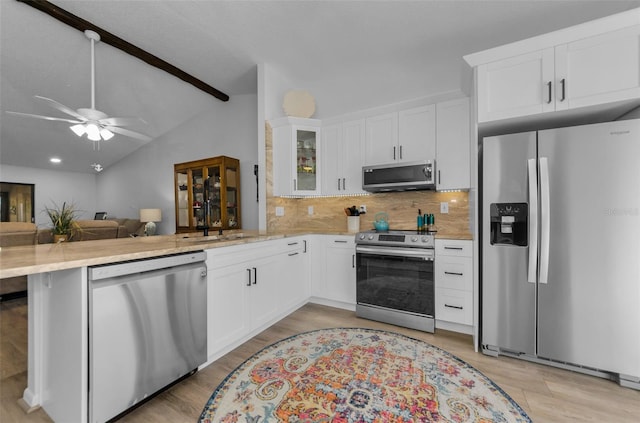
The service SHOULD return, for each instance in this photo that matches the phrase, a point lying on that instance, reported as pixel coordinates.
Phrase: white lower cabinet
(335, 282)
(454, 281)
(294, 273)
(250, 287)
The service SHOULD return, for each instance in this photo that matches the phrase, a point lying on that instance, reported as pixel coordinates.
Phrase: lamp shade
(150, 215)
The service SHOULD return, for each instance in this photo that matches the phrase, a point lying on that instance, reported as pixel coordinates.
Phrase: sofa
(98, 229)
(14, 234)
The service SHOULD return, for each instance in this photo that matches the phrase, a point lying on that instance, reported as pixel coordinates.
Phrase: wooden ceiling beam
(117, 42)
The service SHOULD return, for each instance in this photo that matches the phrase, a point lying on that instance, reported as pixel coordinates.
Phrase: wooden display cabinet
(212, 183)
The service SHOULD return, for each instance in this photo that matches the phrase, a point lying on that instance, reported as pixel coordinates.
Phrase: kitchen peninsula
(59, 301)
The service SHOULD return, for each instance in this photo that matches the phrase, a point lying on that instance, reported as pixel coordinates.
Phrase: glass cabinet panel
(231, 203)
(306, 160)
(197, 186)
(215, 197)
(182, 199)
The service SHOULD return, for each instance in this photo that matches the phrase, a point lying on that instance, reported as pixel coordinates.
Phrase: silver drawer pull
(293, 254)
(454, 273)
(292, 243)
(340, 241)
(453, 248)
(452, 306)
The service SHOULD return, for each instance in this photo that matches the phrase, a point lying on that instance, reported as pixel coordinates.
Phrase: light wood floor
(547, 394)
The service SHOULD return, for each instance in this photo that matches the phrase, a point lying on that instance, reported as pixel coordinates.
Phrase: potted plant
(63, 220)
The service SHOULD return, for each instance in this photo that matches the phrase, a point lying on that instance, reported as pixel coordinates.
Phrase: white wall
(144, 179)
(55, 187)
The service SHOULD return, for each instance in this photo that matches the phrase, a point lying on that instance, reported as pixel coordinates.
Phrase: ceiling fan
(95, 124)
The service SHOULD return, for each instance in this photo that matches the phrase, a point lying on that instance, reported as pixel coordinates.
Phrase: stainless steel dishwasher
(147, 329)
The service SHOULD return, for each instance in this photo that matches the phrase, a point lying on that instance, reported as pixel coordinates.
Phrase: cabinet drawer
(454, 306)
(454, 247)
(454, 273)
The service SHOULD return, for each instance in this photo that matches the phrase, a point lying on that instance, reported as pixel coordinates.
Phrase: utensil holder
(353, 224)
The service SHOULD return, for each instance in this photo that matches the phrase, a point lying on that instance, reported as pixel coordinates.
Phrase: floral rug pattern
(349, 375)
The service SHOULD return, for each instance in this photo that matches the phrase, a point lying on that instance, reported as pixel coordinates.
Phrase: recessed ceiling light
(55, 160)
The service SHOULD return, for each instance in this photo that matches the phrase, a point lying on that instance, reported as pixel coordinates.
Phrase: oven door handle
(420, 254)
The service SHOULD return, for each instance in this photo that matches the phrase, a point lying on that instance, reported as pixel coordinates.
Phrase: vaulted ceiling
(349, 54)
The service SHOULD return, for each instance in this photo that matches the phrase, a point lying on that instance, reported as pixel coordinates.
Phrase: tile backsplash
(329, 215)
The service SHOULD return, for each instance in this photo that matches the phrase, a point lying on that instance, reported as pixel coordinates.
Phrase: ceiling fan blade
(62, 108)
(45, 117)
(122, 121)
(128, 133)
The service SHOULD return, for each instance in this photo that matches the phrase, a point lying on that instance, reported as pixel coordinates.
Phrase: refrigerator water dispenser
(509, 224)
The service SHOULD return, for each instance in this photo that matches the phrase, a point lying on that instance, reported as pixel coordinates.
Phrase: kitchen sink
(212, 238)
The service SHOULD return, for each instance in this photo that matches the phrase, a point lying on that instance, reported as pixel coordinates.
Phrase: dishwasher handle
(107, 271)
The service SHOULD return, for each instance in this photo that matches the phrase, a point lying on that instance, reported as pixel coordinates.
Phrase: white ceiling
(349, 54)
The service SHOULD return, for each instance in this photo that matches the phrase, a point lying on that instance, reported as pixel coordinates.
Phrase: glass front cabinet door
(296, 159)
(207, 194)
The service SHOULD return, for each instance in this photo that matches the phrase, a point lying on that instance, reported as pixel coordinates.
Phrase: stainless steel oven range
(394, 282)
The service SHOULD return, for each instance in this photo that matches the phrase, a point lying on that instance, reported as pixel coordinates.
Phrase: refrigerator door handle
(545, 224)
(533, 221)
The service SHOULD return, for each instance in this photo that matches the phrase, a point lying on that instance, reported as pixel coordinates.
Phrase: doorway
(17, 202)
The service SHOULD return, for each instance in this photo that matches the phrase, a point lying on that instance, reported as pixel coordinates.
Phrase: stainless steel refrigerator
(560, 269)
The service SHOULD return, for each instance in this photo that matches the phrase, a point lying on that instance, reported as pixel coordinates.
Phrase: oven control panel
(397, 238)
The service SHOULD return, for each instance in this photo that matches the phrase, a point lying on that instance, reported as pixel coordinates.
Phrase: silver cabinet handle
(249, 278)
(454, 273)
(295, 185)
(255, 276)
(453, 248)
(292, 243)
(344, 183)
(400, 152)
(338, 184)
(394, 153)
(353, 261)
(452, 306)
(293, 254)
(305, 246)
(563, 85)
(549, 89)
(339, 241)
(439, 177)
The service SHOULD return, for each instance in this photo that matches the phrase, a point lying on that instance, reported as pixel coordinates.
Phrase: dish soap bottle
(419, 221)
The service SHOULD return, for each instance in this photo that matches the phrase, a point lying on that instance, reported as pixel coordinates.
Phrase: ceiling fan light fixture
(106, 134)
(78, 129)
(93, 132)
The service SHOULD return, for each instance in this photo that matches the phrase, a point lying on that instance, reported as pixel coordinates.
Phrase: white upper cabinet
(453, 147)
(517, 86)
(407, 136)
(597, 70)
(417, 133)
(342, 151)
(296, 160)
(381, 145)
(589, 71)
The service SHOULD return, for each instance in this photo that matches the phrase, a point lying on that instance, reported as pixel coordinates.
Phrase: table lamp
(150, 216)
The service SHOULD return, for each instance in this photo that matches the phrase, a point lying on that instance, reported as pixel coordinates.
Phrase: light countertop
(25, 260)
(31, 259)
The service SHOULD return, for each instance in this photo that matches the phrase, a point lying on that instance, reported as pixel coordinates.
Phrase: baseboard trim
(28, 409)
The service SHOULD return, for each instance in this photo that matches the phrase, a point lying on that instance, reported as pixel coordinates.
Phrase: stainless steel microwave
(400, 176)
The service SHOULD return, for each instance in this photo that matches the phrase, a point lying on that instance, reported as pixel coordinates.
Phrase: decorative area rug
(357, 376)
